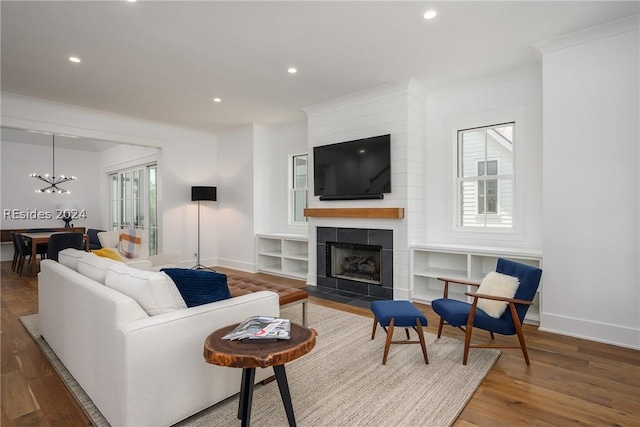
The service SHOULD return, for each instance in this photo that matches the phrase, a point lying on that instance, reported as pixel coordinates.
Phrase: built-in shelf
(389, 213)
(283, 254)
(462, 262)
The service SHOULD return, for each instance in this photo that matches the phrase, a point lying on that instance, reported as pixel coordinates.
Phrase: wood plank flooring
(570, 381)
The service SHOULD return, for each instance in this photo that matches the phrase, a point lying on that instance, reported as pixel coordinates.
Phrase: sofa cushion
(95, 267)
(69, 257)
(155, 292)
(199, 287)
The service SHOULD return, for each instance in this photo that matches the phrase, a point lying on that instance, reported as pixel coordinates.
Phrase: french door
(134, 201)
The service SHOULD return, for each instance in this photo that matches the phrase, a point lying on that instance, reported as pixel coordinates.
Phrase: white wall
(187, 158)
(272, 169)
(235, 203)
(482, 103)
(18, 188)
(591, 185)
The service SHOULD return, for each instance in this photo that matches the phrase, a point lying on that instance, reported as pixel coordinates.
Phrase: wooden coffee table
(249, 356)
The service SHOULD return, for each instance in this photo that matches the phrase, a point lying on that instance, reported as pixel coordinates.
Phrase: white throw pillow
(500, 285)
(69, 257)
(95, 267)
(155, 292)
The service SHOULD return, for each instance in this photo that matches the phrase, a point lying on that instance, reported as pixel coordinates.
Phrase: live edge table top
(236, 354)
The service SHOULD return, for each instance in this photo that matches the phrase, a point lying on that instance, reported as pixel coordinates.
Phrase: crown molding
(620, 26)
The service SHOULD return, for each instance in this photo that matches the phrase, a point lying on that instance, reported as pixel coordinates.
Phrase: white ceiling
(167, 60)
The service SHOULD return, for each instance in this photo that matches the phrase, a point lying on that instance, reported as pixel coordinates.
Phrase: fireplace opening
(354, 262)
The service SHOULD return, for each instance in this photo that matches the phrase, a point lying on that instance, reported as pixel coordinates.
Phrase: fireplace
(356, 260)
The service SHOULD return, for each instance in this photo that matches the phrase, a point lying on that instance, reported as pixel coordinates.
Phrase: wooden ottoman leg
(387, 344)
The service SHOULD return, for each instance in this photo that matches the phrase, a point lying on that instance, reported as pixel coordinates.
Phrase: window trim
(291, 190)
(479, 120)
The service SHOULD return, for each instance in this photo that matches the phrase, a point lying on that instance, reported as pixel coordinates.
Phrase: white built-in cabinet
(428, 262)
(283, 254)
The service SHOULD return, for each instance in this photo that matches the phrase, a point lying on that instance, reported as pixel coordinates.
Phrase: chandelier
(52, 180)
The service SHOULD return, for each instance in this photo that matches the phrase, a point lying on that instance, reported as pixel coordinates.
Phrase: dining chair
(41, 248)
(22, 251)
(60, 241)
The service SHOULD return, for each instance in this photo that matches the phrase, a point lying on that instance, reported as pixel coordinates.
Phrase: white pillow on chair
(499, 285)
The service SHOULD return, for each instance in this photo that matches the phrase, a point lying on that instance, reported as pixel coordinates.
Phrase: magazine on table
(261, 329)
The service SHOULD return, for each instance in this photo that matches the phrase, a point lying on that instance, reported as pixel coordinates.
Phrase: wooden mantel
(388, 213)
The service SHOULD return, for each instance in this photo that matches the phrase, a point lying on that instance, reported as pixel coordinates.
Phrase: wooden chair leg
(440, 325)
(387, 344)
(469, 330)
(375, 325)
(406, 330)
(518, 326)
(423, 344)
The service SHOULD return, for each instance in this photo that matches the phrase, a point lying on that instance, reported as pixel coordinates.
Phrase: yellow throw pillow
(107, 253)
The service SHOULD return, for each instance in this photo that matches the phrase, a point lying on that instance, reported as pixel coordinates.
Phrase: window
(133, 201)
(488, 189)
(485, 177)
(298, 191)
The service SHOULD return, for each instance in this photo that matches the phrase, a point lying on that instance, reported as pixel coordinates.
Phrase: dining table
(43, 237)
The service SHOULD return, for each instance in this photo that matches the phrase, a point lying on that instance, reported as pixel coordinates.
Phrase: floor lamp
(202, 194)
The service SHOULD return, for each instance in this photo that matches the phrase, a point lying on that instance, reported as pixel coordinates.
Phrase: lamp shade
(203, 193)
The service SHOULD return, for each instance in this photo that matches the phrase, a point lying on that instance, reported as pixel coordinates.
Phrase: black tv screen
(353, 169)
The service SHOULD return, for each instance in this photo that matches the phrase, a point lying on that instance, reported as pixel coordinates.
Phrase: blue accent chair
(398, 313)
(466, 316)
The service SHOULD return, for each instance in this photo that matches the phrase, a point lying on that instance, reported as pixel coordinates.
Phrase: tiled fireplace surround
(357, 236)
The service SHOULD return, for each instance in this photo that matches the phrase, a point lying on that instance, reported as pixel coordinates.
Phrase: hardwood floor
(570, 381)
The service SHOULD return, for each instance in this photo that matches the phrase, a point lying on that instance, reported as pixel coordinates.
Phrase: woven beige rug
(342, 381)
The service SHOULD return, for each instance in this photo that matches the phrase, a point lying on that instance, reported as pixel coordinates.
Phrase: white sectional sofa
(139, 369)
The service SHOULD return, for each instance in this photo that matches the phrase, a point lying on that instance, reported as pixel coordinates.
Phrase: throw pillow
(130, 243)
(155, 292)
(500, 285)
(107, 253)
(199, 287)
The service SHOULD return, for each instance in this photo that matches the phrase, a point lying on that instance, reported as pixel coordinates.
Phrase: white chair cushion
(500, 285)
(155, 292)
(95, 267)
(69, 257)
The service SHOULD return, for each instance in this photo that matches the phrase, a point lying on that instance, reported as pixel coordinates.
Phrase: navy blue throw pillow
(199, 287)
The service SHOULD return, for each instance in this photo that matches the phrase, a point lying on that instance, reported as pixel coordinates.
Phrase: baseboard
(621, 336)
(236, 265)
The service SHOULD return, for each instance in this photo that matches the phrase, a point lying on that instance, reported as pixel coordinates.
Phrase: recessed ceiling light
(429, 14)
(132, 1)
(74, 59)
(292, 70)
(217, 100)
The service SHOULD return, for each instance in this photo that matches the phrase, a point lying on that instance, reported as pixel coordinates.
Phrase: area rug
(342, 381)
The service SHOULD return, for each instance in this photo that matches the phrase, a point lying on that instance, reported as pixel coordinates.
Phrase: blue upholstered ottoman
(398, 313)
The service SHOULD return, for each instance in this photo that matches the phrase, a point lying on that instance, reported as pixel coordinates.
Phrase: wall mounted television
(351, 170)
